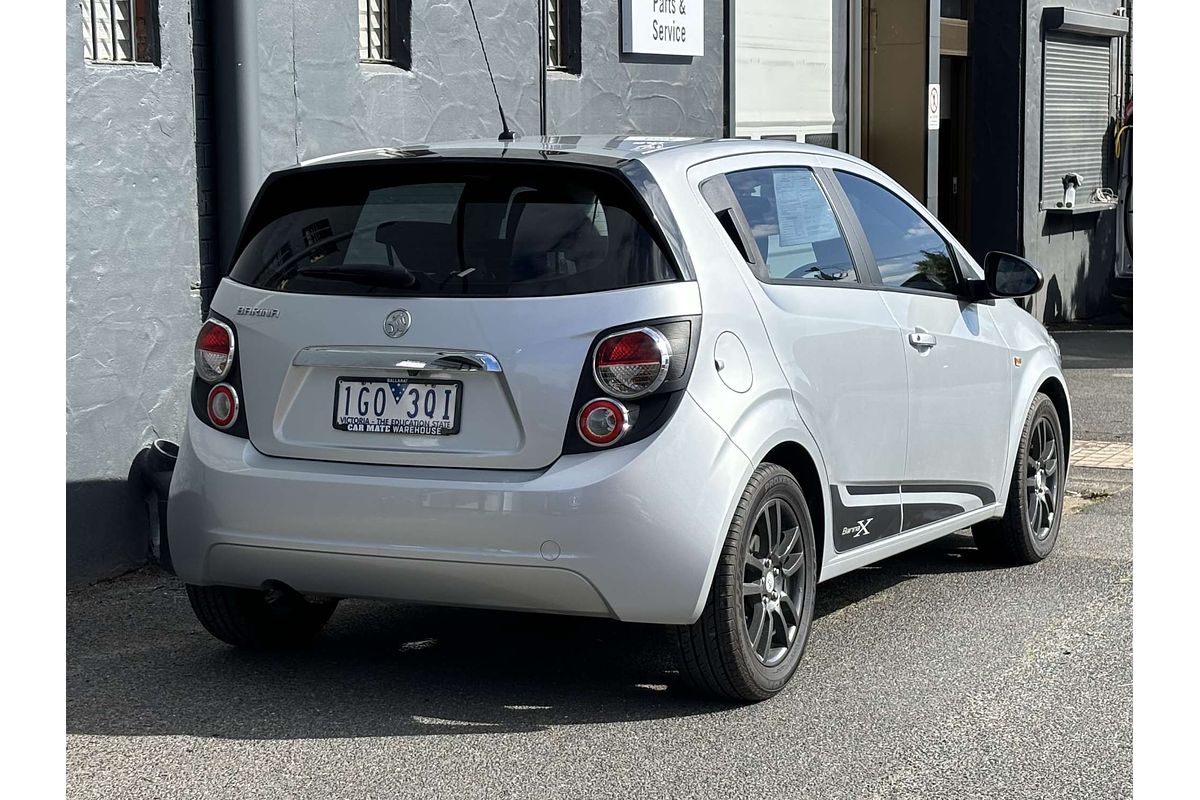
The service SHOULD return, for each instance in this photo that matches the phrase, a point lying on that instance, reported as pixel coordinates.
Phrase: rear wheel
(751, 635)
(1029, 528)
(257, 618)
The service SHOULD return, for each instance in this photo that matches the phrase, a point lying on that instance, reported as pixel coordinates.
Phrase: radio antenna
(505, 135)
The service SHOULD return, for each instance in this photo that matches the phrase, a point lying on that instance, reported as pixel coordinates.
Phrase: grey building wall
(629, 94)
(131, 258)
(1076, 253)
(316, 97)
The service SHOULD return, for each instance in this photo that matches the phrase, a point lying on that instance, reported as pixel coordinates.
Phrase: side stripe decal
(865, 513)
(917, 514)
(986, 495)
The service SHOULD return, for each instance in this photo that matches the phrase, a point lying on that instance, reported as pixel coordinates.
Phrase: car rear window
(516, 230)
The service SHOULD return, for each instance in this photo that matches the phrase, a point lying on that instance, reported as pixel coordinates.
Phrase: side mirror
(1006, 275)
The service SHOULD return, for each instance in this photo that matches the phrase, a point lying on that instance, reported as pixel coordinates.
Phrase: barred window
(562, 35)
(385, 32)
(553, 51)
(120, 31)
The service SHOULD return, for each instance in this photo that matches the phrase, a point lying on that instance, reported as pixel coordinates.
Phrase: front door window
(910, 254)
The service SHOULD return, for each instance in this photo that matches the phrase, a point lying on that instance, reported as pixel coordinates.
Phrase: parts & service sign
(663, 27)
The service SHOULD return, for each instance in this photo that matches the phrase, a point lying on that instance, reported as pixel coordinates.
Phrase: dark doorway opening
(954, 168)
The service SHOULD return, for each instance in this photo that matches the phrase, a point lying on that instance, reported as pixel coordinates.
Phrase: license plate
(397, 405)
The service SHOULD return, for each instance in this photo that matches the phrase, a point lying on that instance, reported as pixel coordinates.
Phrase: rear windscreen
(515, 230)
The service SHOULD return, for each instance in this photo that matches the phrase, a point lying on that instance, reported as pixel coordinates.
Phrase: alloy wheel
(1042, 479)
(773, 582)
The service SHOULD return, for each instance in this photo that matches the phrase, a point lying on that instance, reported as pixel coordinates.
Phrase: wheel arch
(792, 448)
(1054, 388)
(1051, 383)
(796, 459)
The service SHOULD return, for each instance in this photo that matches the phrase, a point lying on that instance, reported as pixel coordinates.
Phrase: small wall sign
(935, 106)
(662, 27)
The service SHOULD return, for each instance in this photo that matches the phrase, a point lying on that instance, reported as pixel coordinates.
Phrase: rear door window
(450, 229)
(793, 225)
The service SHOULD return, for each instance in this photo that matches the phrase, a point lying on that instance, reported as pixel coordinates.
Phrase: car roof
(591, 149)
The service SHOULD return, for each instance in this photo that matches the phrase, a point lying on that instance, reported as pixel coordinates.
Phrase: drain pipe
(233, 27)
(150, 480)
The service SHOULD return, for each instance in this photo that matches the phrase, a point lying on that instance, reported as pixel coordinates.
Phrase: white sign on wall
(935, 106)
(662, 27)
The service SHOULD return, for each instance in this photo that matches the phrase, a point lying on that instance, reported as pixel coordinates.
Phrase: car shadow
(139, 664)
(953, 553)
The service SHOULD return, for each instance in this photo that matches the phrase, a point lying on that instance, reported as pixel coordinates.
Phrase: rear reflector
(222, 406)
(632, 363)
(603, 421)
(214, 351)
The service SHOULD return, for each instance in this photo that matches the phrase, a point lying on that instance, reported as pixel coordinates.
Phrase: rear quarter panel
(765, 414)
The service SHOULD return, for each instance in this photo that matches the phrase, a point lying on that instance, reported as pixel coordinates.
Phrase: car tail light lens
(604, 421)
(649, 361)
(222, 406)
(214, 351)
(632, 363)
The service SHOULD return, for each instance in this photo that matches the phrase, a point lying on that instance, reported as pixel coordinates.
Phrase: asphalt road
(932, 674)
(1099, 367)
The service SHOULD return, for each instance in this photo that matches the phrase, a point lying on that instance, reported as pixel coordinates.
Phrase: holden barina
(665, 381)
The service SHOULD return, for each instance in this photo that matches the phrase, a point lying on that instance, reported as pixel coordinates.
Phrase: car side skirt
(842, 563)
(865, 514)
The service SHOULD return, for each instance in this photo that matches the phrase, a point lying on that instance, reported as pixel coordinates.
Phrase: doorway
(954, 170)
(895, 58)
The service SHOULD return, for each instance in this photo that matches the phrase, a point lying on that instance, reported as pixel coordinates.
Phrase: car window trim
(870, 254)
(718, 194)
(856, 238)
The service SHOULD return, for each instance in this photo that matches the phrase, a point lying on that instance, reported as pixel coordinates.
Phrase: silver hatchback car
(660, 380)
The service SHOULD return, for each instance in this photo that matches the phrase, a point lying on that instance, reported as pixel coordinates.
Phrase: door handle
(921, 339)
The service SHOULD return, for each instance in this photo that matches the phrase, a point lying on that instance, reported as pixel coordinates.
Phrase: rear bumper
(631, 533)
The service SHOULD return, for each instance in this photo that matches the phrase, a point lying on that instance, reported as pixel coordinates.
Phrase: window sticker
(803, 212)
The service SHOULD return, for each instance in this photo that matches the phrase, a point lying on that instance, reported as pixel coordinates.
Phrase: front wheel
(1029, 528)
(751, 635)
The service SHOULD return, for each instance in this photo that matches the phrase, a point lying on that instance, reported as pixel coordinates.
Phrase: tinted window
(908, 252)
(793, 224)
(453, 229)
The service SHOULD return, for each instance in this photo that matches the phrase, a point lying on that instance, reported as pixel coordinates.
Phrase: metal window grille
(562, 35)
(120, 31)
(374, 44)
(553, 40)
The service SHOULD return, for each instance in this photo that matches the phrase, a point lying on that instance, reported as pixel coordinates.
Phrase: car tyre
(259, 619)
(750, 638)
(1029, 528)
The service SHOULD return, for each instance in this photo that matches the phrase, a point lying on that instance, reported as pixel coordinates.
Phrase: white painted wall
(790, 67)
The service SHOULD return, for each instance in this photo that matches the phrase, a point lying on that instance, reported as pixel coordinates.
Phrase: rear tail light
(214, 351)
(632, 363)
(222, 406)
(604, 421)
(217, 395)
(648, 362)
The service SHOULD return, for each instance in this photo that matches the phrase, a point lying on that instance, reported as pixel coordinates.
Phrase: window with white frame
(384, 32)
(120, 31)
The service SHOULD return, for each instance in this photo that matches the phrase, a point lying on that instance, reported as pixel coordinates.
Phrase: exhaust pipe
(150, 479)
